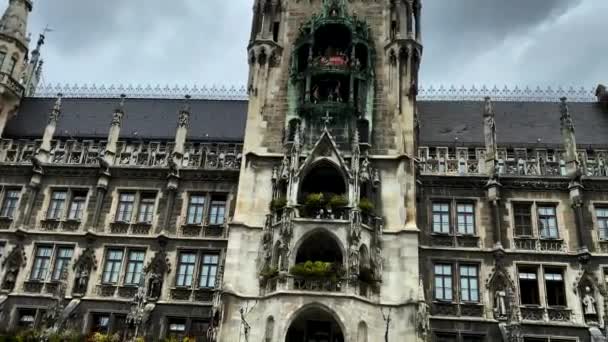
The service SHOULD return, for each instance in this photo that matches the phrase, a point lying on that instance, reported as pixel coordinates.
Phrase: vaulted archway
(315, 324)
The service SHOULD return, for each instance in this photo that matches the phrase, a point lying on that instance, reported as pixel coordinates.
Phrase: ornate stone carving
(155, 271)
(83, 267)
(12, 264)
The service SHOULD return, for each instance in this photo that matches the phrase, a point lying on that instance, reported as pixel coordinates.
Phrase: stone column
(574, 172)
(175, 162)
(108, 159)
(489, 132)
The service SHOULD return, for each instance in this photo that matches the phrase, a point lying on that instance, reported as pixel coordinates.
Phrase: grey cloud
(203, 42)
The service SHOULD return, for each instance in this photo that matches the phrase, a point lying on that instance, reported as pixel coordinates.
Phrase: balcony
(8, 82)
(440, 308)
(126, 228)
(53, 225)
(204, 230)
(540, 245)
(541, 314)
(190, 294)
(448, 240)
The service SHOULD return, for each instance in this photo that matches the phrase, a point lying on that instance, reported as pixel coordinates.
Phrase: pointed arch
(323, 244)
(362, 332)
(323, 176)
(321, 311)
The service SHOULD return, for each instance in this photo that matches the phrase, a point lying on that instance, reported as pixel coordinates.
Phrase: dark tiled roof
(517, 123)
(224, 120)
(150, 118)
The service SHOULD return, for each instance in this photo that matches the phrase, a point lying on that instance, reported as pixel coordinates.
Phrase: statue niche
(83, 268)
(155, 271)
(12, 264)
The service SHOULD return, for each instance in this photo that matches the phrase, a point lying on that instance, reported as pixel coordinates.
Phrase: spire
(489, 132)
(14, 20)
(33, 70)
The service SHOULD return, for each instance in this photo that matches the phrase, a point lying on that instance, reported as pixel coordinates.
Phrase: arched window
(323, 178)
(362, 332)
(315, 324)
(364, 261)
(269, 329)
(319, 246)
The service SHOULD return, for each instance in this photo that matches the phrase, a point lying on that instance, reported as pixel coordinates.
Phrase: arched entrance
(315, 325)
(319, 246)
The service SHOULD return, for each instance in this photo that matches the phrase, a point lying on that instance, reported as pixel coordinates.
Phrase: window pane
(56, 205)
(125, 207)
(208, 271)
(113, 266)
(77, 206)
(135, 267)
(62, 261)
(9, 204)
(185, 270)
(522, 219)
(41, 263)
(195, 209)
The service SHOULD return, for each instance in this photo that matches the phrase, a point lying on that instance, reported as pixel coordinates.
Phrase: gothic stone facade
(331, 205)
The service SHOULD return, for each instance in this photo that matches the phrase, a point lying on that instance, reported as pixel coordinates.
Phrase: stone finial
(566, 118)
(54, 116)
(119, 112)
(184, 114)
(488, 109)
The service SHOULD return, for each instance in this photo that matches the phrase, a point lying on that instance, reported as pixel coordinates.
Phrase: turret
(13, 54)
(33, 70)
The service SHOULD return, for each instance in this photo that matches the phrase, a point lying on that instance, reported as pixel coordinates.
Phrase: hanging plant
(366, 205)
(315, 200)
(338, 201)
(278, 203)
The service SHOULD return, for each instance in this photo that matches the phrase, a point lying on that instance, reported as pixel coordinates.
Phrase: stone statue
(500, 305)
(154, 285)
(353, 258)
(589, 302)
(365, 176)
(285, 168)
(82, 280)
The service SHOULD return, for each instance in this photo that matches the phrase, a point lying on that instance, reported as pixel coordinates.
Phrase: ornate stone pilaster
(569, 140)
(489, 133)
(43, 152)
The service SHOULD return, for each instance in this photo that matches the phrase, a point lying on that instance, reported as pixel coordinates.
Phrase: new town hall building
(334, 201)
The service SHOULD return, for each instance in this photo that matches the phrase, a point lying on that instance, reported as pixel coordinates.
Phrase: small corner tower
(13, 56)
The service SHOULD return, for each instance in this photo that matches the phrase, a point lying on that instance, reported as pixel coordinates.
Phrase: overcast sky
(514, 42)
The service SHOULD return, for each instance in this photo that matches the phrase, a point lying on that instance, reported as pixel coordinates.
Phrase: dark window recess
(554, 284)
(275, 31)
(446, 337)
(198, 329)
(522, 215)
(176, 328)
(27, 318)
(528, 286)
(473, 338)
(535, 339)
(100, 323)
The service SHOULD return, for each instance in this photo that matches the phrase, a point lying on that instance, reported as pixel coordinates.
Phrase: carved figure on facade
(365, 170)
(502, 290)
(589, 302)
(12, 265)
(217, 311)
(83, 267)
(423, 313)
(173, 167)
(155, 271)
